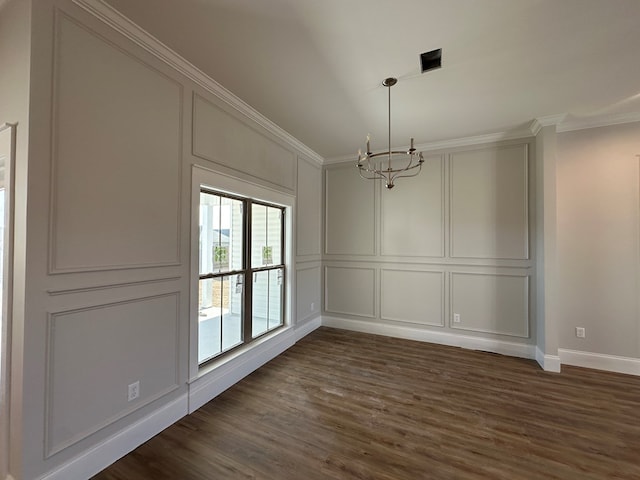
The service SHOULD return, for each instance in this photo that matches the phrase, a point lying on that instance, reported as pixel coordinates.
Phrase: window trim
(223, 183)
(9, 134)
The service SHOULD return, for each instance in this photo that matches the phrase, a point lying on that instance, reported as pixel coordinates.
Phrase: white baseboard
(108, 451)
(549, 363)
(213, 383)
(305, 328)
(600, 361)
(513, 349)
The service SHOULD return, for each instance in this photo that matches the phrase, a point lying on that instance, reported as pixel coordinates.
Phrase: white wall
(598, 240)
(114, 134)
(456, 239)
(106, 265)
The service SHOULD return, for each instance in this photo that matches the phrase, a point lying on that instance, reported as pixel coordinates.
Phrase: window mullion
(248, 280)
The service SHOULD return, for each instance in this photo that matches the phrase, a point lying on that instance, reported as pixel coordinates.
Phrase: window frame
(281, 266)
(247, 271)
(224, 184)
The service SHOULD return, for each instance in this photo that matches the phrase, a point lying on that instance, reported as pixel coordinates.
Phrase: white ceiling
(314, 67)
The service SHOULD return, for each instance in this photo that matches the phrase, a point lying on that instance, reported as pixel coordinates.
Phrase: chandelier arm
(374, 175)
(400, 175)
(371, 167)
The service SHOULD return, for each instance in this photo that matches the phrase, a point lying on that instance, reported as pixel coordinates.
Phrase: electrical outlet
(134, 391)
(456, 318)
(312, 307)
(580, 332)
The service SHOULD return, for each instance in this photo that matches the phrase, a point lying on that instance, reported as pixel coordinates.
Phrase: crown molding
(453, 143)
(559, 120)
(568, 125)
(600, 121)
(535, 127)
(548, 120)
(538, 123)
(116, 20)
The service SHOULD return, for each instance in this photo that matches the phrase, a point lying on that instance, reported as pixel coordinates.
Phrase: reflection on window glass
(220, 233)
(268, 288)
(219, 315)
(266, 235)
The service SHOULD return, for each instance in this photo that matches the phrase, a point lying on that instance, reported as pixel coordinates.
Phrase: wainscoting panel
(221, 137)
(116, 158)
(350, 290)
(489, 203)
(490, 303)
(412, 215)
(309, 209)
(413, 297)
(350, 213)
(308, 291)
(94, 354)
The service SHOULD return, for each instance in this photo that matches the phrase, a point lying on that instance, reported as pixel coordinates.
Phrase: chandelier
(390, 164)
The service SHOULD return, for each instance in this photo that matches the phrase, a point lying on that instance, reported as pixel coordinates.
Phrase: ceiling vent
(431, 60)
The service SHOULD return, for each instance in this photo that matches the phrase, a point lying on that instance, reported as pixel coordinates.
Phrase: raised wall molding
(92, 288)
(425, 300)
(148, 42)
(54, 445)
(73, 245)
(308, 209)
(353, 296)
(344, 197)
(490, 327)
(215, 136)
(418, 204)
(525, 256)
(93, 460)
(307, 313)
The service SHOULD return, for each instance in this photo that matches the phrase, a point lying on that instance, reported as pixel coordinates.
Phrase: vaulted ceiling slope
(315, 67)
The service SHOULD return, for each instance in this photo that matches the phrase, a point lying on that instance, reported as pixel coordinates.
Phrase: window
(241, 272)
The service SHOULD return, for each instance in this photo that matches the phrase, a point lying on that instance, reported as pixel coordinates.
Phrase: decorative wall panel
(489, 203)
(350, 290)
(413, 213)
(95, 353)
(491, 303)
(116, 158)
(308, 290)
(412, 296)
(309, 209)
(222, 138)
(350, 213)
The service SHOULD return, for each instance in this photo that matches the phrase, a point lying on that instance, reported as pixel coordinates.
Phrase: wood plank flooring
(346, 405)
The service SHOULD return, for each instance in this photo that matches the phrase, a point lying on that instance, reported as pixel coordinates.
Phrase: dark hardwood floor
(345, 405)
